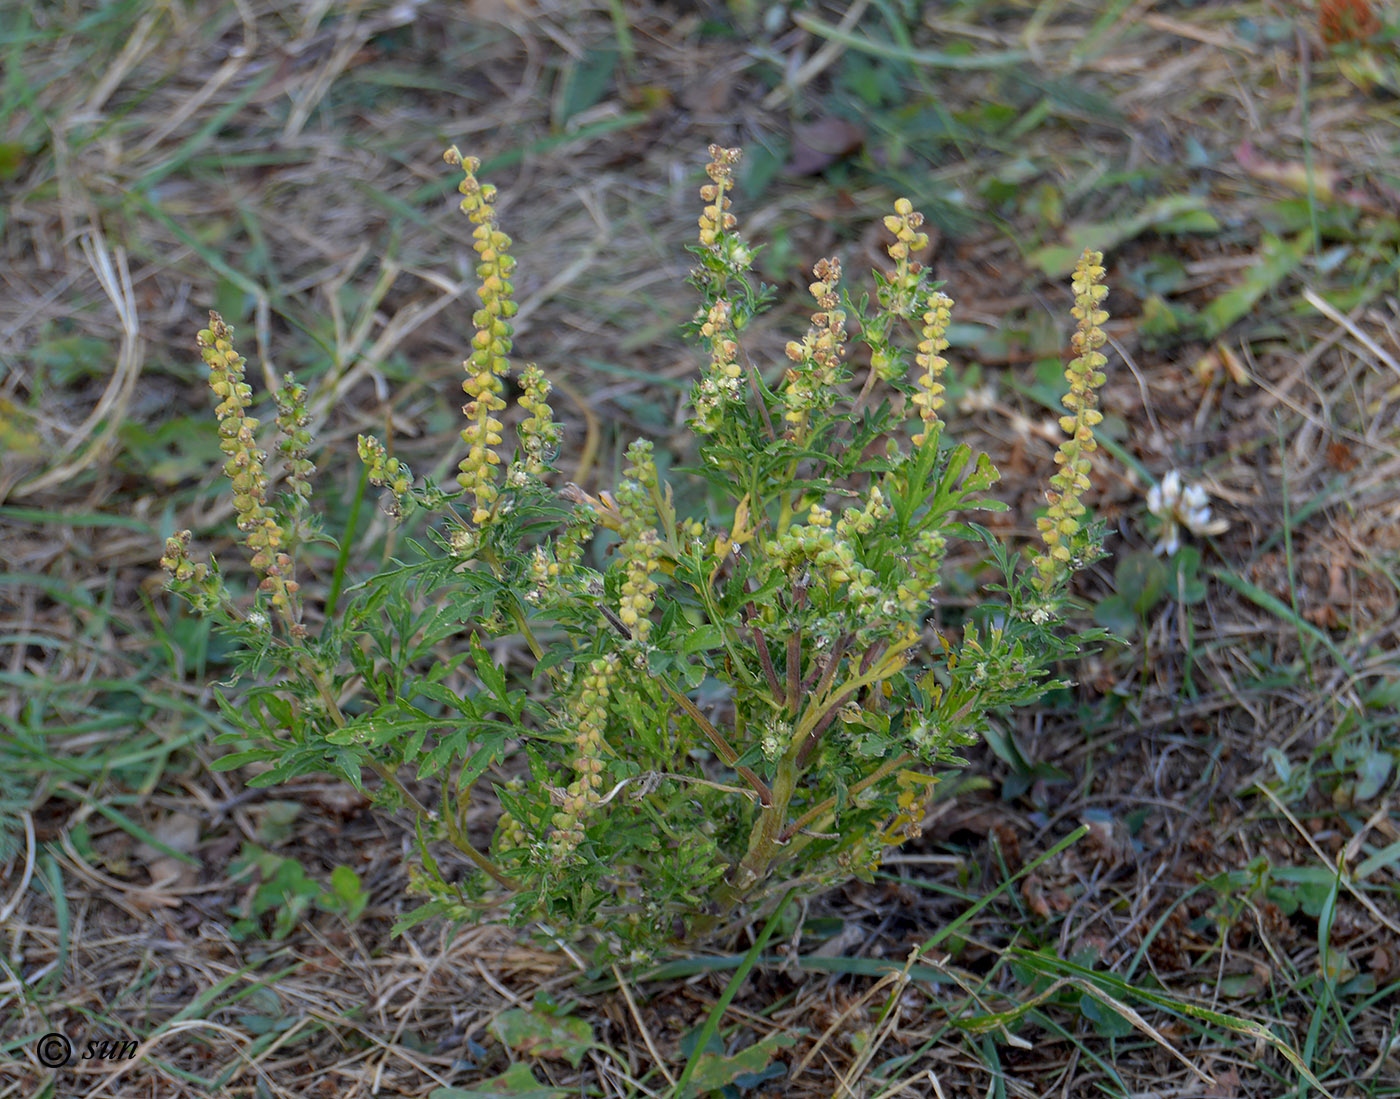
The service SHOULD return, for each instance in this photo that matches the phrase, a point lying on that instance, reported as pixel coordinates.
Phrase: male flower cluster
(720, 384)
(539, 434)
(491, 344)
(811, 382)
(830, 552)
(582, 794)
(641, 547)
(921, 572)
(384, 471)
(722, 381)
(295, 444)
(1060, 527)
(899, 296)
(488, 362)
(929, 398)
(716, 219)
(193, 579)
(246, 469)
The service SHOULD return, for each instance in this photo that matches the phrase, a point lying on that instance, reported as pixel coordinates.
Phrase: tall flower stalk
(491, 344)
(1062, 528)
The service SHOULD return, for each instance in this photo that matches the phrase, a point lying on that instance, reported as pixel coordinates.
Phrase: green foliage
(719, 708)
(288, 893)
(545, 1034)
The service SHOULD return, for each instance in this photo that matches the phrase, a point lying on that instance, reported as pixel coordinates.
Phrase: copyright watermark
(55, 1050)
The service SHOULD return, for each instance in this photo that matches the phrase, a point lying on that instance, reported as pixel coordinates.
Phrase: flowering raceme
(1062, 528)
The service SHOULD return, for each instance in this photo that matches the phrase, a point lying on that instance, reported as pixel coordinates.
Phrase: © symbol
(54, 1050)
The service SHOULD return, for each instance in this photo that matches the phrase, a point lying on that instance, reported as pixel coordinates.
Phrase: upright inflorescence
(246, 469)
(295, 443)
(722, 382)
(901, 294)
(491, 343)
(1061, 526)
(921, 576)
(811, 381)
(539, 434)
(829, 556)
(384, 471)
(197, 581)
(641, 546)
(929, 397)
(716, 219)
(591, 712)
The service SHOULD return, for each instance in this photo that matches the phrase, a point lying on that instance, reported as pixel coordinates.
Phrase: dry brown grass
(284, 163)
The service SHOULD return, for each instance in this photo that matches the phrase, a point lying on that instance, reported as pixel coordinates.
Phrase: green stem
(390, 776)
(715, 614)
(722, 746)
(822, 808)
(771, 831)
(524, 627)
(758, 398)
(760, 644)
(764, 839)
(787, 502)
(488, 554)
(342, 559)
(888, 665)
(456, 835)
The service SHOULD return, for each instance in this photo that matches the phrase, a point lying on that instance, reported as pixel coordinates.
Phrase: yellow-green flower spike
(723, 381)
(715, 218)
(384, 471)
(196, 580)
(929, 397)
(1061, 525)
(295, 444)
(246, 469)
(818, 358)
(591, 715)
(641, 547)
(904, 223)
(539, 434)
(237, 431)
(491, 343)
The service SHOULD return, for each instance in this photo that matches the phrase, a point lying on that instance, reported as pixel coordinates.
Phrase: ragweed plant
(701, 709)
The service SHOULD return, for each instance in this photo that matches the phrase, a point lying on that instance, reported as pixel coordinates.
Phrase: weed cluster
(720, 707)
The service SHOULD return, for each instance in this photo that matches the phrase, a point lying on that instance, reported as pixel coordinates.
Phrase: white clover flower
(1177, 506)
